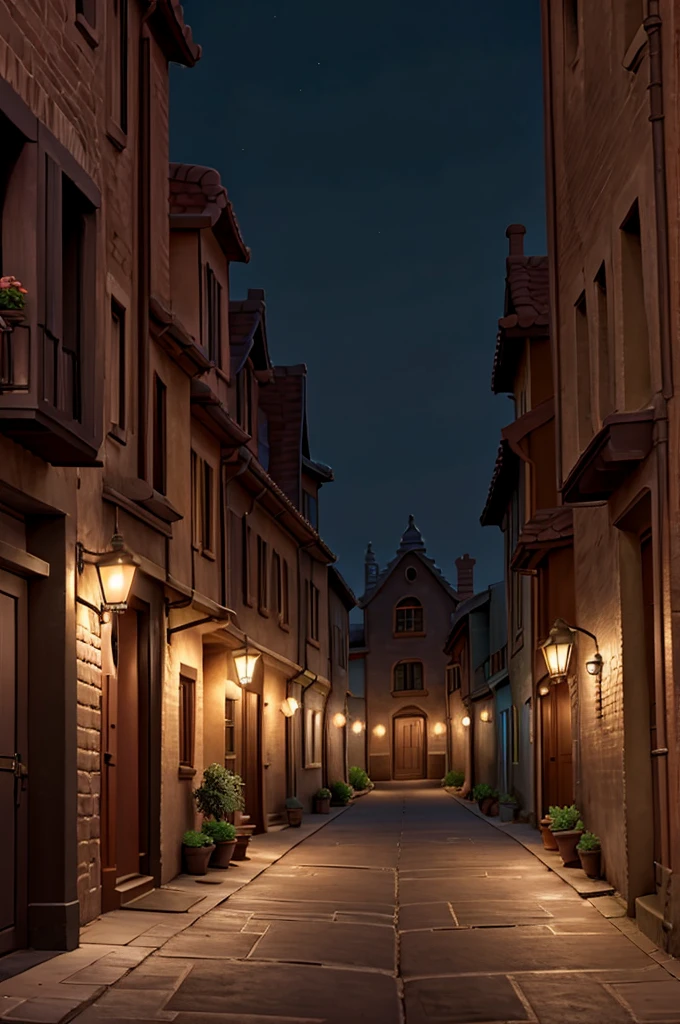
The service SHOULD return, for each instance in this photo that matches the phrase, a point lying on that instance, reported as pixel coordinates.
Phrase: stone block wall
(89, 673)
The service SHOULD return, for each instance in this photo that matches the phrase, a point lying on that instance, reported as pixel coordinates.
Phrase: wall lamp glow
(358, 728)
(379, 731)
(439, 729)
(245, 662)
(485, 716)
(116, 570)
(543, 689)
(289, 706)
(558, 648)
(465, 721)
(339, 720)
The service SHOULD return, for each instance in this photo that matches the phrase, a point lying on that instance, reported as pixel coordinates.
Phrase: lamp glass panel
(115, 579)
(557, 658)
(245, 666)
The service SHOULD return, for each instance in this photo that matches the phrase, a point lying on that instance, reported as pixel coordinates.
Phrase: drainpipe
(144, 240)
(653, 27)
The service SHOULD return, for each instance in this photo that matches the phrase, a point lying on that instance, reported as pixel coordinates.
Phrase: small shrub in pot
(341, 793)
(220, 792)
(198, 849)
(485, 796)
(590, 854)
(294, 811)
(567, 828)
(358, 779)
(453, 780)
(322, 801)
(223, 834)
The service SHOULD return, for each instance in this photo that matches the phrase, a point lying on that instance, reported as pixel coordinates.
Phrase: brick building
(138, 398)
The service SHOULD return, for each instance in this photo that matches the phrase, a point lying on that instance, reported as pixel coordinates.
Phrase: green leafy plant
(565, 819)
(454, 779)
(483, 790)
(12, 293)
(358, 778)
(588, 841)
(219, 831)
(508, 798)
(196, 839)
(323, 794)
(220, 793)
(293, 804)
(341, 792)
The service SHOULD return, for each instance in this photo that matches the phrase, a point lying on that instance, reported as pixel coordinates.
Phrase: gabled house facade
(407, 616)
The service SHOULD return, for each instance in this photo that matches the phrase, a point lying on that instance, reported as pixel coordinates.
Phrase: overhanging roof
(615, 452)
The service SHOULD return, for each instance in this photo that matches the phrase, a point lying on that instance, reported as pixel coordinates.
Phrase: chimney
(466, 584)
(515, 234)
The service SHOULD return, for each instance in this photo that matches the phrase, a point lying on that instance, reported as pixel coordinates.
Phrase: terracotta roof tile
(177, 38)
(503, 479)
(549, 528)
(196, 194)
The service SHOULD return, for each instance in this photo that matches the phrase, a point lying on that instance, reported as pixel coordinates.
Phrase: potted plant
(197, 848)
(508, 806)
(223, 835)
(294, 811)
(243, 838)
(220, 793)
(322, 801)
(567, 828)
(341, 794)
(549, 841)
(454, 780)
(590, 853)
(358, 779)
(12, 300)
(485, 797)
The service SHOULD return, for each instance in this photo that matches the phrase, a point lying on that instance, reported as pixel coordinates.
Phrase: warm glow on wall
(358, 728)
(289, 706)
(439, 729)
(379, 731)
(485, 716)
(339, 720)
(465, 720)
(544, 689)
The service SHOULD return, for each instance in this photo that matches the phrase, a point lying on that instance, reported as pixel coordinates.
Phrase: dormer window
(244, 409)
(408, 616)
(310, 509)
(213, 315)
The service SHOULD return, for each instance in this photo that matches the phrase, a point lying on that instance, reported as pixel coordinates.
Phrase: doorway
(13, 758)
(557, 759)
(409, 747)
(647, 567)
(252, 758)
(126, 783)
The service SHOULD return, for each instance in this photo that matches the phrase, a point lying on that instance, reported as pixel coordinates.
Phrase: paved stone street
(484, 932)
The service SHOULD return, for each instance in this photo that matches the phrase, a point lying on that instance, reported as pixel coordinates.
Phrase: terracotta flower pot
(13, 317)
(294, 817)
(494, 808)
(241, 850)
(566, 844)
(590, 862)
(322, 805)
(485, 804)
(224, 852)
(549, 841)
(196, 859)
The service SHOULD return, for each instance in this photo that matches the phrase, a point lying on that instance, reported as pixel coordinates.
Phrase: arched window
(408, 675)
(408, 617)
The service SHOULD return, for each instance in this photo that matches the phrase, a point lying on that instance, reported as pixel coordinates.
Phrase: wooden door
(646, 557)
(13, 761)
(127, 810)
(252, 758)
(558, 781)
(409, 748)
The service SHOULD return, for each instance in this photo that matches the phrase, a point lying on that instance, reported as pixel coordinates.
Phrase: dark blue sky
(375, 153)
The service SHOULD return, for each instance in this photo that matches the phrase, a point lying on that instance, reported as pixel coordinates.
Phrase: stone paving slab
(335, 944)
(464, 1001)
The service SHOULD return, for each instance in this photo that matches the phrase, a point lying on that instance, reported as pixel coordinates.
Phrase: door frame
(409, 712)
(16, 936)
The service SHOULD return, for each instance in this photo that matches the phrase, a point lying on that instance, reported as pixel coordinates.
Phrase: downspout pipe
(144, 240)
(653, 27)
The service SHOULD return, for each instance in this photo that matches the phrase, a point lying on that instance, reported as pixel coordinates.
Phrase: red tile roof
(175, 35)
(549, 528)
(198, 199)
(503, 481)
(248, 332)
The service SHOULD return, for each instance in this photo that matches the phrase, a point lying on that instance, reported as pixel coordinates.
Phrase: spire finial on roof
(412, 539)
(370, 553)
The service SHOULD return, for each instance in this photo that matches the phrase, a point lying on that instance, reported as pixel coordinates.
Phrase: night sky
(375, 153)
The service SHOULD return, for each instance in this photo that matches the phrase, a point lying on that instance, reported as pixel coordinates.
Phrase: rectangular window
(453, 677)
(118, 365)
(117, 57)
(583, 376)
(213, 305)
(262, 580)
(313, 738)
(408, 675)
(229, 734)
(310, 509)
(195, 501)
(285, 604)
(340, 642)
(277, 584)
(638, 386)
(409, 620)
(159, 435)
(312, 612)
(262, 438)
(187, 711)
(207, 509)
(605, 370)
(571, 30)
(246, 561)
(515, 735)
(243, 401)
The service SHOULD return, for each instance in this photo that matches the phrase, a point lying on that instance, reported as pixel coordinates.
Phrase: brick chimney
(466, 577)
(515, 234)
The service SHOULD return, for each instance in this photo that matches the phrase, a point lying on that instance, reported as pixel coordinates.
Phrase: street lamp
(116, 570)
(245, 662)
(557, 651)
(339, 720)
(465, 721)
(358, 728)
(485, 716)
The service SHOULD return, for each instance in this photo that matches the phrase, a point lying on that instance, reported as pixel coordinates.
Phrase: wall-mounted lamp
(439, 729)
(245, 662)
(379, 731)
(289, 706)
(465, 721)
(485, 716)
(339, 720)
(358, 728)
(557, 650)
(116, 570)
(543, 689)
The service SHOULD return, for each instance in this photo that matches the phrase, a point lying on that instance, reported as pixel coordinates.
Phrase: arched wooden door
(409, 753)
(557, 759)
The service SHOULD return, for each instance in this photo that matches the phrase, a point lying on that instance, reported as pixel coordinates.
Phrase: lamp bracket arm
(580, 629)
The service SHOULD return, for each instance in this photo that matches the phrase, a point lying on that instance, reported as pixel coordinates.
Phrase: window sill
(313, 643)
(185, 771)
(314, 764)
(118, 434)
(116, 136)
(88, 31)
(409, 693)
(407, 634)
